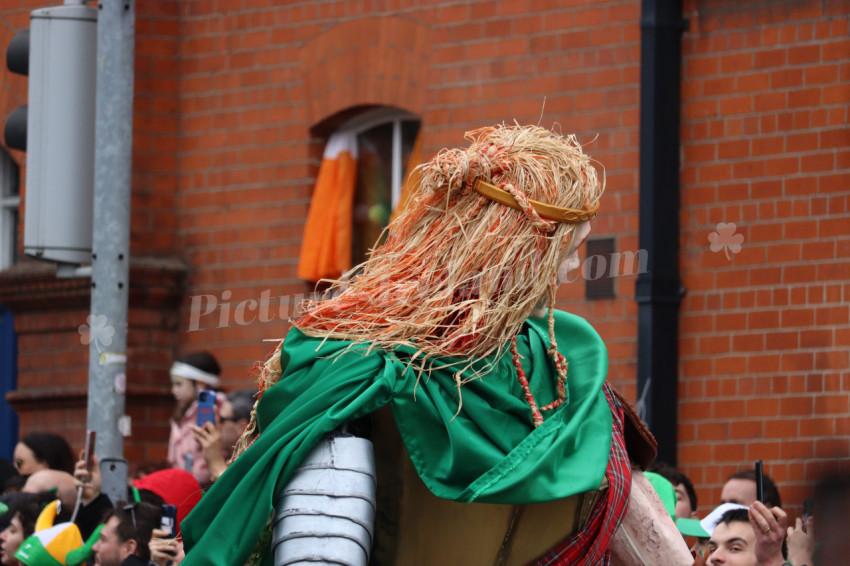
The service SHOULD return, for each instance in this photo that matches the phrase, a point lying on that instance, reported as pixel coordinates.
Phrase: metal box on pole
(60, 134)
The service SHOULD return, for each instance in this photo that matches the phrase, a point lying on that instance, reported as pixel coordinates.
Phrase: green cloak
(487, 452)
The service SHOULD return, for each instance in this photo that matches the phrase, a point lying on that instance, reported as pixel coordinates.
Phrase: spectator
(166, 551)
(702, 529)
(7, 472)
(686, 495)
(149, 467)
(23, 512)
(46, 480)
(43, 451)
(190, 374)
(748, 537)
(801, 543)
(125, 535)
(61, 484)
(14, 484)
(235, 415)
(52, 544)
(175, 487)
(93, 503)
(741, 488)
(219, 440)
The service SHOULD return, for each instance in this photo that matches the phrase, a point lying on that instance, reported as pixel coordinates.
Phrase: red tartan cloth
(589, 547)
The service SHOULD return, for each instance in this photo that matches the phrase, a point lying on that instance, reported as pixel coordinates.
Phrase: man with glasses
(125, 535)
(219, 440)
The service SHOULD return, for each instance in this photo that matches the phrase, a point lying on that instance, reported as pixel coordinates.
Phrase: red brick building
(234, 104)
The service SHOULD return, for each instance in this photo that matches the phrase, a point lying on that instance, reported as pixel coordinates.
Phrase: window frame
(10, 205)
(378, 117)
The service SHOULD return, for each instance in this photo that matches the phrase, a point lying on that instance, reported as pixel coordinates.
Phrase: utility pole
(111, 230)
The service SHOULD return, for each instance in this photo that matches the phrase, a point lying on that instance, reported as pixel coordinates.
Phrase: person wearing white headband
(189, 374)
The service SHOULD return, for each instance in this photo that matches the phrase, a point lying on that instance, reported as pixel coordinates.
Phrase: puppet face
(570, 263)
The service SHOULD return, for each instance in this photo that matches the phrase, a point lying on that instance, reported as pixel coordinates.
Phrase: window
(385, 139)
(10, 202)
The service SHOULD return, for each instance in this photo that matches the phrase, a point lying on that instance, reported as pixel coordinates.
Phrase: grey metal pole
(111, 243)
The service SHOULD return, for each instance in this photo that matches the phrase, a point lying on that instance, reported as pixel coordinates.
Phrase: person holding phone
(742, 488)
(127, 531)
(219, 438)
(93, 503)
(191, 375)
(748, 537)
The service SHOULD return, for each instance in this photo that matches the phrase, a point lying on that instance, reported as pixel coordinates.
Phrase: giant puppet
(498, 397)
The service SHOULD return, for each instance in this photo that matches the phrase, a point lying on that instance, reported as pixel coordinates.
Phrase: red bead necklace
(560, 367)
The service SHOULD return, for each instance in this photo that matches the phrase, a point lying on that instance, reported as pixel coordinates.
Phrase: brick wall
(261, 88)
(764, 328)
(156, 139)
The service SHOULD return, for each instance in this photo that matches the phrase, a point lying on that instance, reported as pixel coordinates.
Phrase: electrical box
(60, 134)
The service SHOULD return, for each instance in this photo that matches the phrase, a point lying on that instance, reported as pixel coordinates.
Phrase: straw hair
(459, 273)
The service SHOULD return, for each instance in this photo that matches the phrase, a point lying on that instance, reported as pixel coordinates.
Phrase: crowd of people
(52, 509)
(46, 490)
(741, 530)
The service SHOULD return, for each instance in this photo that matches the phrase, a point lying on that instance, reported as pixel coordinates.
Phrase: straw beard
(459, 273)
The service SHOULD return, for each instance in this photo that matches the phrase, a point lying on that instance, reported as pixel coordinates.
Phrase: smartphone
(808, 508)
(88, 455)
(168, 522)
(113, 474)
(206, 405)
(759, 481)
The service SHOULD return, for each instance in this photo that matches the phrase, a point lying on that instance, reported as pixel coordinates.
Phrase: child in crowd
(190, 374)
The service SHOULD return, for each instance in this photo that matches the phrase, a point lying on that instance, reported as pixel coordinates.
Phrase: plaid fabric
(589, 547)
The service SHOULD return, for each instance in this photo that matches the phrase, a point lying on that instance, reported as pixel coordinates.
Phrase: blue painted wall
(8, 382)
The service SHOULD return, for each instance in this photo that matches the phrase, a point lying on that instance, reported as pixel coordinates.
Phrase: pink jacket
(184, 452)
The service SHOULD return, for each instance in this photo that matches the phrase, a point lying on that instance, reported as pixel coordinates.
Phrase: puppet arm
(647, 535)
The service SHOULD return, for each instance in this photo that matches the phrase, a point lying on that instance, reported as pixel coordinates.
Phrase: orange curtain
(326, 247)
(409, 182)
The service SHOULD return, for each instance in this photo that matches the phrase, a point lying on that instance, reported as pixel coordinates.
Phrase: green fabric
(32, 553)
(691, 527)
(82, 554)
(487, 452)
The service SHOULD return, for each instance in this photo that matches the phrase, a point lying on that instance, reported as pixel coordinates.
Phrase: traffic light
(17, 60)
(56, 129)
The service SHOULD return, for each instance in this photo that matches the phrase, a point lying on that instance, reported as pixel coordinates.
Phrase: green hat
(691, 528)
(665, 490)
(56, 545)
